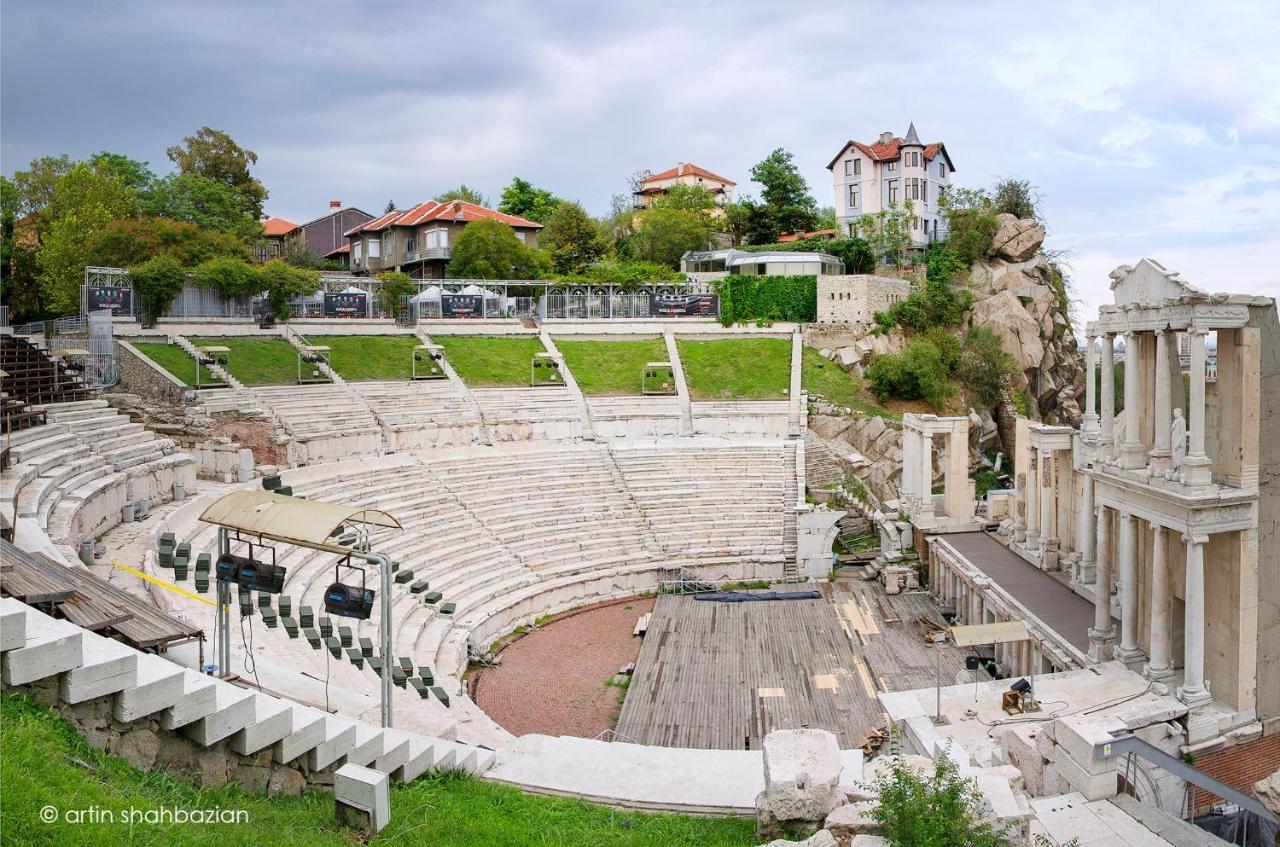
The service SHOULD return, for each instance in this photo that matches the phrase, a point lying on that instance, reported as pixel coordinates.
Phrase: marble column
(1090, 392)
(1019, 509)
(1103, 632)
(1160, 666)
(926, 470)
(1088, 539)
(1160, 452)
(1033, 500)
(1196, 469)
(909, 468)
(1048, 478)
(1133, 454)
(1192, 692)
(1128, 651)
(1108, 388)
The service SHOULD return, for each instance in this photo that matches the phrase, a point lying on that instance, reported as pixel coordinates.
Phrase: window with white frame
(373, 245)
(435, 238)
(853, 196)
(893, 191)
(891, 166)
(357, 250)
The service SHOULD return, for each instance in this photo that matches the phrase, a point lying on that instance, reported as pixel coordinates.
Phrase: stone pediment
(1148, 283)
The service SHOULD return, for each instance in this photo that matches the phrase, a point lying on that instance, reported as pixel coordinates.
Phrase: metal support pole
(385, 631)
(222, 625)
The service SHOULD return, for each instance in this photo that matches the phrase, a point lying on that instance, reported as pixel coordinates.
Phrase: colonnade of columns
(971, 607)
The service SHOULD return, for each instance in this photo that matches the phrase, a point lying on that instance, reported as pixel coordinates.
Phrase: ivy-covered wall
(768, 298)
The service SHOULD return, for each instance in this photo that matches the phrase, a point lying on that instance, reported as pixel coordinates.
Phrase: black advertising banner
(118, 300)
(684, 305)
(346, 304)
(461, 305)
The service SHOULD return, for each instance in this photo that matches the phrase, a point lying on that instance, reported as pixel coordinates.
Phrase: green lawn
(489, 361)
(611, 367)
(258, 361)
(737, 368)
(172, 358)
(363, 357)
(827, 381)
(44, 762)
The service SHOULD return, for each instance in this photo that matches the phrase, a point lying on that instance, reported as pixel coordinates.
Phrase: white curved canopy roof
(291, 519)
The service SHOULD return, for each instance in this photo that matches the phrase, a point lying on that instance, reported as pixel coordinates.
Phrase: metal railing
(59, 326)
(428, 253)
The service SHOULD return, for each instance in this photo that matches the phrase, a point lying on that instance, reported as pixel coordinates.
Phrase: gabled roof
(277, 227)
(450, 210)
(687, 169)
(892, 149)
(326, 217)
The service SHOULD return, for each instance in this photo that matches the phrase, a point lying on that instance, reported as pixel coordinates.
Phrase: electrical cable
(250, 664)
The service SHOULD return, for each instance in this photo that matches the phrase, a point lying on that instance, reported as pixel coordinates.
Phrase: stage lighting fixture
(250, 574)
(349, 601)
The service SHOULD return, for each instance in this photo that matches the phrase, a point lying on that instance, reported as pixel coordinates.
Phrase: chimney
(335, 205)
(886, 137)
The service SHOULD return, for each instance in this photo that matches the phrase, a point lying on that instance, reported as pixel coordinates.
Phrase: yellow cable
(160, 582)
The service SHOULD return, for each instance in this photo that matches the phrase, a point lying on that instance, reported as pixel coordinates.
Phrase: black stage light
(971, 662)
(349, 601)
(1021, 686)
(250, 574)
(227, 567)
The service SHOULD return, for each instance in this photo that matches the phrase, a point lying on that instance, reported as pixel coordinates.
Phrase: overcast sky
(1150, 129)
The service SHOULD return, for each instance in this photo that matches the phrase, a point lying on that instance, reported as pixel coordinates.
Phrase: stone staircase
(217, 370)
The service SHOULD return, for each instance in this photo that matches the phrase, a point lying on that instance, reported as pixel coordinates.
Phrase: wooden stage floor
(722, 675)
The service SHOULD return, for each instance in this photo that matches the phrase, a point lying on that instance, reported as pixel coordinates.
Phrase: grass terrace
(44, 762)
(827, 381)
(737, 368)
(172, 358)
(258, 361)
(486, 361)
(366, 357)
(611, 367)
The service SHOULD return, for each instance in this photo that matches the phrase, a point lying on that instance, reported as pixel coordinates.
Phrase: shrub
(623, 272)
(490, 250)
(919, 372)
(969, 233)
(933, 809)
(938, 304)
(396, 286)
(768, 298)
(283, 283)
(229, 277)
(985, 368)
(157, 282)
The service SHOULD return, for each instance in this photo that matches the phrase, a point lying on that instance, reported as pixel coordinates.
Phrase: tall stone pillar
(1193, 692)
(1108, 388)
(1048, 478)
(1088, 539)
(1196, 469)
(1103, 633)
(1133, 454)
(926, 472)
(1128, 651)
(1090, 392)
(1033, 501)
(1160, 666)
(1019, 508)
(1160, 451)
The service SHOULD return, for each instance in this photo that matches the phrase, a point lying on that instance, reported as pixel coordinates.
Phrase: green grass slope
(172, 358)
(827, 381)
(45, 763)
(257, 361)
(611, 367)
(365, 357)
(737, 368)
(484, 361)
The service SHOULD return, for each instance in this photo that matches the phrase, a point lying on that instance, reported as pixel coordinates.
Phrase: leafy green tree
(202, 201)
(737, 220)
(83, 201)
(985, 368)
(396, 287)
(284, 283)
(157, 281)
(662, 236)
(391, 207)
(937, 809)
(1017, 197)
(130, 173)
(36, 184)
(465, 193)
(691, 198)
(526, 200)
(490, 250)
(919, 372)
(228, 276)
(627, 273)
(888, 231)
(790, 207)
(125, 242)
(21, 291)
(571, 238)
(213, 154)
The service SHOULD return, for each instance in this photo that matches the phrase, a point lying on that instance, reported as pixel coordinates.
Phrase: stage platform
(722, 675)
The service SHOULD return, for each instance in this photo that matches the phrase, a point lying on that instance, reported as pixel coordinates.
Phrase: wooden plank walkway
(722, 675)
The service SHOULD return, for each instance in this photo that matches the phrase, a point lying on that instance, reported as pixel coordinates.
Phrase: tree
(933, 810)
(37, 182)
(526, 200)
(391, 207)
(228, 276)
(126, 242)
(789, 206)
(17, 257)
(985, 367)
(888, 231)
(465, 193)
(662, 236)
(691, 198)
(83, 201)
(571, 238)
(490, 250)
(157, 281)
(396, 287)
(627, 273)
(919, 372)
(130, 173)
(284, 283)
(204, 202)
(1016, 197)
(213, 154)
(736, 220)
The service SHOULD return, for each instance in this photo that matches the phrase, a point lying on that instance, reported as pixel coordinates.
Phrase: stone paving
(552, 680)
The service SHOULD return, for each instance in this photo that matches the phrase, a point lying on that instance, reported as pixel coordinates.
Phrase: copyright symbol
(48, 814)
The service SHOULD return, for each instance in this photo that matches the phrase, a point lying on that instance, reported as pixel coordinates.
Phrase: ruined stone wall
(855, 298)
(139, 375)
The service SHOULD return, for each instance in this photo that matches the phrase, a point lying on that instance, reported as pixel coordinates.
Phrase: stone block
(232, 711)
(158, 685)
(52, 646)
(13, 624)
(306, 731)
(272, 720)
(196, 702)
(802, 770)
(821, 838)
(852, 820)
(107, 667)
(367, 746)
(339, 738)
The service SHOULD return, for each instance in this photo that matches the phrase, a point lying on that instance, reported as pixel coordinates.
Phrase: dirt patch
(553, 679)
(256, 435)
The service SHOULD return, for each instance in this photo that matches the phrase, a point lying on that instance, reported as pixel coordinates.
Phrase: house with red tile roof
(654, 186)
(891, 172)
(419, 241)
(324, 235)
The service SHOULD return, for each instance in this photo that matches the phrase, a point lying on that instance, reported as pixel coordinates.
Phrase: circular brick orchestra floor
(552, 680)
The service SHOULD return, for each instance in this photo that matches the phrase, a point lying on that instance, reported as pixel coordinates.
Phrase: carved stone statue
(1178, 437)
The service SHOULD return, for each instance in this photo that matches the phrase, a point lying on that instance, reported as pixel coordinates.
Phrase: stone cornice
(1185, 313)
(1192, 511)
